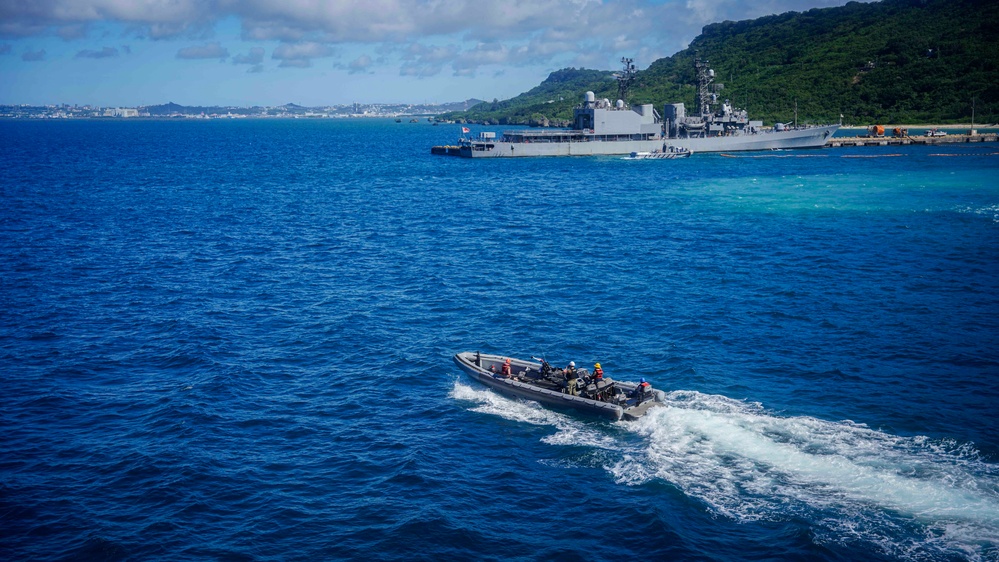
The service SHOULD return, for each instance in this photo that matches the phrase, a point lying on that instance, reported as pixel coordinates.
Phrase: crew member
(572, 378)
(643, 390)
(506, 368)
(598, 373)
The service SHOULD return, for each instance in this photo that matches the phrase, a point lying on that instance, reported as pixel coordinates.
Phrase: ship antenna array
(625, 78)
(704, 80)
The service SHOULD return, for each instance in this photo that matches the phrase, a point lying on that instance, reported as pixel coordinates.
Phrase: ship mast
(625, 78)
(705, 76)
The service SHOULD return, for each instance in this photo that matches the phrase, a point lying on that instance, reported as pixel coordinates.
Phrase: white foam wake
(912, 497)
(569, 430)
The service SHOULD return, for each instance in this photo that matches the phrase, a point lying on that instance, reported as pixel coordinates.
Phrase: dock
(837, 142)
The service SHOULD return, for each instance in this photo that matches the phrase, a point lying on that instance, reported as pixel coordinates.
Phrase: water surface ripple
(232, 340)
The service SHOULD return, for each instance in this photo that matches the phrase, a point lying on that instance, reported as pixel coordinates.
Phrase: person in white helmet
(571, 378)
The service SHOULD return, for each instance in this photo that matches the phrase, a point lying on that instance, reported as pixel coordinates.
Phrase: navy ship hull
(594, 145)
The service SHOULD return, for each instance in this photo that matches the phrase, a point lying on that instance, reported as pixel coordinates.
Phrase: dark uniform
(642, 391)
(572, 378)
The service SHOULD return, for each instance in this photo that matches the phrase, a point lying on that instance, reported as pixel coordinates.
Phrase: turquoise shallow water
(232, 340)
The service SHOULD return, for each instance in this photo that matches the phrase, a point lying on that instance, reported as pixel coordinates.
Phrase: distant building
(121, 112)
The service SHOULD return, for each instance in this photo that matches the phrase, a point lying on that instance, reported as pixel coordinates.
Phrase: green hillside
(548, 104)
(895, 61)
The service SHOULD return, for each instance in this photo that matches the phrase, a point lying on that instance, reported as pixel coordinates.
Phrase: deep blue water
(231, 340)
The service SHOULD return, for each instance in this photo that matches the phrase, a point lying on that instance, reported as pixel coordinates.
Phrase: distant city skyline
(262, 52)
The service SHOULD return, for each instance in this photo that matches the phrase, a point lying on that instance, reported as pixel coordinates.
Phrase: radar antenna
(625, 78)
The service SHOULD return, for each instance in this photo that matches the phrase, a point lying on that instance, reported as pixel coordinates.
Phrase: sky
(128, 53)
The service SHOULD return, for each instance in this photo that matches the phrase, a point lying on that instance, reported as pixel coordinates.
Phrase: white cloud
(254, 57)
(387, 20)
(158, 18)
(360, 65)
(212, 50)
(106, 52)
(296, 63)
(300, 55)
(424, 61)
(478, 34)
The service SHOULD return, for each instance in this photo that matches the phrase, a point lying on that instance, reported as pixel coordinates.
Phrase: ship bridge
(601, 118)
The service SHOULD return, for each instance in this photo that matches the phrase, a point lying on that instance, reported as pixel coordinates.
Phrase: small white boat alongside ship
(667, 153)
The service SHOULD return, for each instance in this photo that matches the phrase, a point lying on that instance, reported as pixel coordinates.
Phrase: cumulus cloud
(254, 57)
(384, 20)
(150, 18)
(104, 53)
(300, 55)
(423, 61)
(511, 32)
(212, 50)
(484, 54)
(33, 56)
(360, 65)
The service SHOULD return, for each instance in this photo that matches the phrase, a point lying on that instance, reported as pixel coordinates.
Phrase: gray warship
(604, 128)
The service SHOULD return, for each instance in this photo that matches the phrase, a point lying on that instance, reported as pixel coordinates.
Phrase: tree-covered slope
(549, 103)
(897, 61)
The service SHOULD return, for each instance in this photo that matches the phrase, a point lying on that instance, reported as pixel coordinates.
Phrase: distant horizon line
(287, 104)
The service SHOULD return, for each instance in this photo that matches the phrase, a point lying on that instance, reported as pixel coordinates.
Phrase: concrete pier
(837, 142)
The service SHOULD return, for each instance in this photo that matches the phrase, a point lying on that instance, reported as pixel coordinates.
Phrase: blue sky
(314, 53)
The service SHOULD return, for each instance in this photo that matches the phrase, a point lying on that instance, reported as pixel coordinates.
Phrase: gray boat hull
(811, 137)
(486, 368)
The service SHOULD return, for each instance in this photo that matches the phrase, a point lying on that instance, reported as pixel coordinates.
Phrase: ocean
(232, 340)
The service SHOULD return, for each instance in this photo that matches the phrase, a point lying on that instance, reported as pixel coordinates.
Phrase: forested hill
(895, 61)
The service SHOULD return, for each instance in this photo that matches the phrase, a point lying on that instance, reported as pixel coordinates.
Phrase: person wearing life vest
(641, 391)
(506, 368)
(572, 378)
(598, 373)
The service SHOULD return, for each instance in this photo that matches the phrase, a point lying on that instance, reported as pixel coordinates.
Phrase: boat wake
(570, 430)
(909, 497)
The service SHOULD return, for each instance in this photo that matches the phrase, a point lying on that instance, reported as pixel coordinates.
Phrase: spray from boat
(911, 497)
